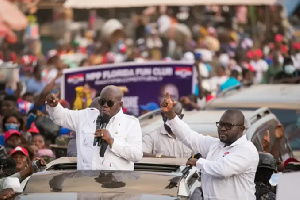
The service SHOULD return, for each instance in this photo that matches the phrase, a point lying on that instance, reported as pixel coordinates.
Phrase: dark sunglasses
(227, 126)
(109, 103)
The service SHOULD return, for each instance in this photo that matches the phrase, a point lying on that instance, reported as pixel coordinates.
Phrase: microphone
(101, 123)
(187, 168)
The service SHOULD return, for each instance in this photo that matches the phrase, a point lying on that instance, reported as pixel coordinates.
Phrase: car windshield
(290, 119)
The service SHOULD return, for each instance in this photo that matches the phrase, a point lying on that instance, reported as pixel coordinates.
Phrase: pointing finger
(168, 95)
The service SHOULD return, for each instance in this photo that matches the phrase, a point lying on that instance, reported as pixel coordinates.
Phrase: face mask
(289, 69)
(10, 126)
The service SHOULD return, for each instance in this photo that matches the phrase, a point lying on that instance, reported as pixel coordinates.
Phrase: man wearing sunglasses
(162, 142)
(229, 163)
(123, 132)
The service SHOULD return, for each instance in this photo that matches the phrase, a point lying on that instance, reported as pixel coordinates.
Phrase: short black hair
(234, 73)
(17, 116)
(10, 98)
(28, 94)
(245, 72)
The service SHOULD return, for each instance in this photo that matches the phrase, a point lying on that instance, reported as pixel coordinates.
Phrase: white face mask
(289, 69)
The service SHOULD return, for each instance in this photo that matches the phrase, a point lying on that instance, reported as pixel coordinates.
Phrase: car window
(260, 133)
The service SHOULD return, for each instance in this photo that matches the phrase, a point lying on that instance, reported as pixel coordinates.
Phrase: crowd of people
(35, 125)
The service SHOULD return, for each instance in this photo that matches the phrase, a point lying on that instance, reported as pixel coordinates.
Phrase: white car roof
(284, 96)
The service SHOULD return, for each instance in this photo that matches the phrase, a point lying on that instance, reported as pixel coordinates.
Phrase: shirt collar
(164, 132)
(116, 116)
(239, 141)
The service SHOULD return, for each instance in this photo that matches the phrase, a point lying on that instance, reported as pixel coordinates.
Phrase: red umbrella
(12, 16)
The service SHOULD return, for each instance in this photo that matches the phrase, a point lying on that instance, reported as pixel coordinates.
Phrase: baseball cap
(150, 106)
(290, 160)
(19, 149)
(33, 129)
(9, 133)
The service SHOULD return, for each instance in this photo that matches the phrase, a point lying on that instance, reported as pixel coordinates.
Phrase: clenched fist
(52, 100)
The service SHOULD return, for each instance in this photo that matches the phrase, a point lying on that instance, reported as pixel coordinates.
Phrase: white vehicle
(204, 122)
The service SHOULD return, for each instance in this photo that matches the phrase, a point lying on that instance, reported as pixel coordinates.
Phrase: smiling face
(21, 161)
(110, 100)
(231, 126)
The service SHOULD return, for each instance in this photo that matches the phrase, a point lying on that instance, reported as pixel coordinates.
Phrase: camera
(37, 166)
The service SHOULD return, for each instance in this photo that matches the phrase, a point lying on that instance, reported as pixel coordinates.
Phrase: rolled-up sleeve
(131, 148)
(68, 118)
(232, 164)
(195, 141)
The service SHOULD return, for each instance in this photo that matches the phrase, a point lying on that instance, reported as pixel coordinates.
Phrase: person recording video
(120, 137)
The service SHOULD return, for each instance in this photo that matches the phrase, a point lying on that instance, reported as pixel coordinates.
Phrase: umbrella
(178, 32)
(12, 16)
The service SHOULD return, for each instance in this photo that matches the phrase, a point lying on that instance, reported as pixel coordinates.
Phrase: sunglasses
(109, 103)
(227, 126)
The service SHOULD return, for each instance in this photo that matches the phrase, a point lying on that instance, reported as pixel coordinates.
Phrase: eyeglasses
(109, 103)
(227, 126)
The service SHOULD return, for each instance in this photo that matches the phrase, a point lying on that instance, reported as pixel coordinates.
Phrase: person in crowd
(275, 148)
(12, 139)
(266, 167)
(28, 97)
(35, 84)
(39, 141)
(228, 164)
(259, 65)
(162, 142)
(273, 70)
(123, 133)
(12, 122)
(9, 105)
(290, 73)
(21, 156)
(220, 78)
(232, 81)
(247, 77)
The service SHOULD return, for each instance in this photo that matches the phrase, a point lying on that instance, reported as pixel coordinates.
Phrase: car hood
(92, 196)
(103, 182)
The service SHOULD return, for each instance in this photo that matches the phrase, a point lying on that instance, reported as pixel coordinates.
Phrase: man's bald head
(237, 116)
(114, 95)
(114, 90)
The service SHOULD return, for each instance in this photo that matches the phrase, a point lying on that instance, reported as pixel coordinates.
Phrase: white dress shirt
(227, 172)
(159, 141)
(125, 129)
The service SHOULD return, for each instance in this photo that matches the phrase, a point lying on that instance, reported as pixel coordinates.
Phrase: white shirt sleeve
(231, 164)
(195, 141)
(70, 119)
(131, 149)
(148, 143)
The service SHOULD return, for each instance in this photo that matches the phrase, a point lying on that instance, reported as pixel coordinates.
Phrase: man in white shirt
(260, 66)
(162, 142)
(229, 164)
(123, 132)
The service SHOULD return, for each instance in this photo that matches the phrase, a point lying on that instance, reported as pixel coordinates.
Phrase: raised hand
(52, 100)
(167, 106)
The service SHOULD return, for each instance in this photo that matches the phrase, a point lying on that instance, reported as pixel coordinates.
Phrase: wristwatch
(158, 155)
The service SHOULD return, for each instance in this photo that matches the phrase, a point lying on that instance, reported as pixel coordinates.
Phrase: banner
(145, 82)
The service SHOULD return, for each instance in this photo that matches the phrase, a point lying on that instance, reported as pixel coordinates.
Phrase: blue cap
(198, 55)
(150, 106)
